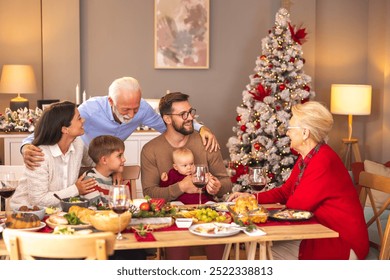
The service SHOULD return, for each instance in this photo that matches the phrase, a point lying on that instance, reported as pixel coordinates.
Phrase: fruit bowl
(107, 220)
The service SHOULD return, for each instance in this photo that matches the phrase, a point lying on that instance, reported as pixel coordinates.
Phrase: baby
(183, 166)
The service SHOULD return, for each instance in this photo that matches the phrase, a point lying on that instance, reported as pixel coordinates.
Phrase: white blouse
(58, 174)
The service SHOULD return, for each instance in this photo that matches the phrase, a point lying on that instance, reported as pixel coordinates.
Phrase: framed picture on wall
(181, 34)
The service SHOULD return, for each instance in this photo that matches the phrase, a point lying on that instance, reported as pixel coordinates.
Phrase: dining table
(274, 231)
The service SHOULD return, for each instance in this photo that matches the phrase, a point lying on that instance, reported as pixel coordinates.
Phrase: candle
(84, 96)
(77, 94)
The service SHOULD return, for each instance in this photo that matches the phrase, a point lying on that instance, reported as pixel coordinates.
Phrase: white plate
(222, 206)
(208, 230)
(42, 225)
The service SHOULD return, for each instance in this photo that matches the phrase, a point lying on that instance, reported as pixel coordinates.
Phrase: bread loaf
(22, 220)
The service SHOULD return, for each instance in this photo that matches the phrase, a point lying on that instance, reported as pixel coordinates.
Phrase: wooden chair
(130, 175)
(25, 245)
(368, 182)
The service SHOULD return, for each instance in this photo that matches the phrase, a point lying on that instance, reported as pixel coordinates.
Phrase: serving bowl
(107, 220)
(183, 222)
(66, 203)
(37, 210)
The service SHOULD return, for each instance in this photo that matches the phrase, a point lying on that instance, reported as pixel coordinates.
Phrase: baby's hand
(164, 176)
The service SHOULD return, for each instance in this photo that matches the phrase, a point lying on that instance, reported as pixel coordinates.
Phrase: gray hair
(316, 117)
(127, 83)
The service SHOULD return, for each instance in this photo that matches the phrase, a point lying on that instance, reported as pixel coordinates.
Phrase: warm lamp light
(350, 100)
(18, 79)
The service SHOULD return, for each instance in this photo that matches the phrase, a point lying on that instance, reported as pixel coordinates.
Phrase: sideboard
(133, 147)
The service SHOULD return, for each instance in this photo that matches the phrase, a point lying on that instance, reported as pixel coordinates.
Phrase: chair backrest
(131, 174)
(25, 245)
(368, 182)
(17, 169)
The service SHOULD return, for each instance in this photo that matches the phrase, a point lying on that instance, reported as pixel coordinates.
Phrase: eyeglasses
(184, 115)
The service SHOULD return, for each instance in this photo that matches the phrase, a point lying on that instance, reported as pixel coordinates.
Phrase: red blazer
(326, 189)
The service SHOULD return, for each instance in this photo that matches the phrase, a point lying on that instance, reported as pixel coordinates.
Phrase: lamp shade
(350, 99)
(18, 79)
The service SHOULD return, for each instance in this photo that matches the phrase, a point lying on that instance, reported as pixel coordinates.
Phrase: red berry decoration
(257, 126)
(270, 65)
(257, 146)
(238, 118)
(243, 127)
(282, 86)
(292, 59)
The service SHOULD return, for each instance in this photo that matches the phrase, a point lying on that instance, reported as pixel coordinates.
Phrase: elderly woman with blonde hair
(319, 183)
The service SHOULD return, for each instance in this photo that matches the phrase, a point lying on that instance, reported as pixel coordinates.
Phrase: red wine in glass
(200, 185)
(257, 186)
(7, 192)
(119, 209)
(199, 178)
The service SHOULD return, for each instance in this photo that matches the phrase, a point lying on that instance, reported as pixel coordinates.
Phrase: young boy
(107, 153)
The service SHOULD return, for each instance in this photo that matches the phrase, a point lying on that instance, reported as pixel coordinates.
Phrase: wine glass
(231, 170)
(119, 202)
(200, 178)
(8, 186)
(257, 179)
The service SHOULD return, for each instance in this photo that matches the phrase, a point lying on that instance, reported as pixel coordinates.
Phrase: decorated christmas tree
(278, 83)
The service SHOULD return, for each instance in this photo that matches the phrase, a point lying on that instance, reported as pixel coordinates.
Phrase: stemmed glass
(200, 178)
(119, 202)
(257, 179)
(8, 186)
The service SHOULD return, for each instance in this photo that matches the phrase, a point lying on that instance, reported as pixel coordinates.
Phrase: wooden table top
(185, 238)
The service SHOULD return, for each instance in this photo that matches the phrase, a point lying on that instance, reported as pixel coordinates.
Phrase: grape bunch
(208, 215)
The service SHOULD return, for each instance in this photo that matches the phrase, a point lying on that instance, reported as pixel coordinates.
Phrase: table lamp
(17, 79)
(351, 100)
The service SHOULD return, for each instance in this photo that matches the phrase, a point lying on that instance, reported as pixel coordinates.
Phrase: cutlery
(56, 196)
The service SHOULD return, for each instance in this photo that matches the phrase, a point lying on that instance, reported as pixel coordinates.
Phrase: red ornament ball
(292, 59)
(270, 65)
(282, 86)
(243, 127)
(238, 118)
(257, 126)
(306, 87)
(257, 146)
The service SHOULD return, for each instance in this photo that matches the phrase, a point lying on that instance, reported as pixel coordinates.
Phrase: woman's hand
(213, 185)
(208, 139)
(32, 156)
(85, 186)
(235, 195)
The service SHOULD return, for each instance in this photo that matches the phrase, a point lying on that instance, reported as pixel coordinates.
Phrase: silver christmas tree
(278, 83)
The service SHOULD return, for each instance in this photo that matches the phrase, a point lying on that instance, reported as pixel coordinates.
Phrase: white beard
(122, 118)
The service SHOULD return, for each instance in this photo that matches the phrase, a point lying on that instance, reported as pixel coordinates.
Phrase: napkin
(148, 237)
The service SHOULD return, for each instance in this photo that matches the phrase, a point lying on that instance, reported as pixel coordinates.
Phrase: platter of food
(290, 215)
(214, 230)
(205, 215)
(66, 219)
(42, 225)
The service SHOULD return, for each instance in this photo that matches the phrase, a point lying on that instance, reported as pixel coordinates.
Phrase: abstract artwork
(181, 34)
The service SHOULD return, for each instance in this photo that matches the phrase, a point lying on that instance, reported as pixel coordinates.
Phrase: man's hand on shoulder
(32, 156)
(208, 138)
